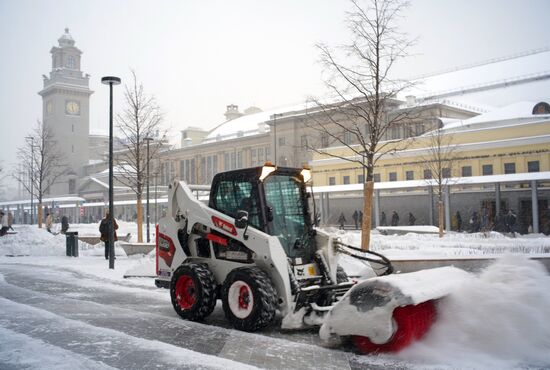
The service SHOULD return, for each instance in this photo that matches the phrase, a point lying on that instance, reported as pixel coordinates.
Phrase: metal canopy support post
(377, 208)
(431, 208)
(447, 195)
(497, 199)
(535, 206)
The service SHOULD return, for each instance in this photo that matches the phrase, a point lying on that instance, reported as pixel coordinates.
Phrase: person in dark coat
(394, 218)
(383, 221)
(412, 219)
(104, 230)
(474, 222)
(64, 224)
(342, 220)
(361, 219)
(458, 222)
(355, 218)
(510, 221)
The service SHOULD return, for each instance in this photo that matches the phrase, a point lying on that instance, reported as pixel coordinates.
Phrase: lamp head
(110, 80)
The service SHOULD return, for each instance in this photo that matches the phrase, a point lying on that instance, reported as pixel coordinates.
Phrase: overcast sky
(197, 57)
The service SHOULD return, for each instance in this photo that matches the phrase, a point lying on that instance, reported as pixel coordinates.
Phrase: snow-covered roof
(250, 124)
(457, 82)
(510, 114)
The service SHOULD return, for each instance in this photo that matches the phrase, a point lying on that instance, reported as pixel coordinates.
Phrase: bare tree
(364, 118)
(42, 156)
(440, 161)
(140, 120)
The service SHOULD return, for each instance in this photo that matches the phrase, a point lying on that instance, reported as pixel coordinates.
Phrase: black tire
(193, 291)
(341, 276)
(253, 307)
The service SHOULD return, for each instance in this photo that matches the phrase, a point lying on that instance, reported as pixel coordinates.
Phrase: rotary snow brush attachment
(388, 313)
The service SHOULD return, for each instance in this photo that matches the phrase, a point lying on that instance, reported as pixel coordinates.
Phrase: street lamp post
(148, 217)
(32, 176)
(111, 80)
(275, 116)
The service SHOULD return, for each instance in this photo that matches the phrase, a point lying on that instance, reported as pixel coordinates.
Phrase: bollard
(71, 243)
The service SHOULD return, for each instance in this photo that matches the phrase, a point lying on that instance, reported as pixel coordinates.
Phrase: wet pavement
(129, 327)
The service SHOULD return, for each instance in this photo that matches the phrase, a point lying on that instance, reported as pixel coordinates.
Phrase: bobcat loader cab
(253, 246)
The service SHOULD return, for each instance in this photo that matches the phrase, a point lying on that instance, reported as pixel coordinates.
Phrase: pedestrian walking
(412, 219)
(355, 218)
(458, 221)
(361, 219)
(383, 221)
(5, 226)
(510, 221)
(10, 221)
(104, 230)
(394, 218)
(49, 222)
(474, 222)
(342, 220)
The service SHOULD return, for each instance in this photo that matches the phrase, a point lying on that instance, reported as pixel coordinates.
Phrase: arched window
(541, 108)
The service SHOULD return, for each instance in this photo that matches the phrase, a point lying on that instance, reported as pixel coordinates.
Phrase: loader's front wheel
(249, 299)
(411, 324)
(193, 291)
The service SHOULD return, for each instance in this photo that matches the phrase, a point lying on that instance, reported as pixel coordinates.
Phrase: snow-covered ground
(496, 319)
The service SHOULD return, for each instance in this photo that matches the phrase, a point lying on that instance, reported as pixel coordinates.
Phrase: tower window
(70, 62)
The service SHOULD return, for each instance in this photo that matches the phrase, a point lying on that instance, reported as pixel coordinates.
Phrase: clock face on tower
(72, 107)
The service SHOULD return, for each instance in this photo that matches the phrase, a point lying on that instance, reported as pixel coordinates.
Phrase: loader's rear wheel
(249, 299)
(412, 323)
(193, 291)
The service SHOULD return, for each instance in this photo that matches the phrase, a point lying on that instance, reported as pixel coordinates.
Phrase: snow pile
(452, 244)
(32, 241)
(499, 319)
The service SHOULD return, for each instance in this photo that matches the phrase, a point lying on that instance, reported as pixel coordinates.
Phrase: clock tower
(66, 110)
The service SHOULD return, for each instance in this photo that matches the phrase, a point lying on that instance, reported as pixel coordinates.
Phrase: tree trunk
(440, 217)
(139, 220)
(39, 216)
(368, 190)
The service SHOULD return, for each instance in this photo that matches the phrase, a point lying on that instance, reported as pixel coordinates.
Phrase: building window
(239, 159)
(509, 168)
(487, 169)
(466, 171)
(324, 141)
(446, 173)
(360, 179)
(376, 177)
(72, 186)
(347, 137)
(346, 180)
(282, 141)
(533, 166)
(395, 132)
(303, 142)
(332, 181)
(253, 157)
(393, 176)
(427, 174)
(226, 162)
(409, 175)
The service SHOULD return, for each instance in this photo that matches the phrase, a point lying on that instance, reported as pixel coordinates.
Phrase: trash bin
(72, 243)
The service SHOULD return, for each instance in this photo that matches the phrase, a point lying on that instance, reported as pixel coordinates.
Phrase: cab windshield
(287, 213)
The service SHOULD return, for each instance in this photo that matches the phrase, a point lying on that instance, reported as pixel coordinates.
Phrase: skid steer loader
(255, 247)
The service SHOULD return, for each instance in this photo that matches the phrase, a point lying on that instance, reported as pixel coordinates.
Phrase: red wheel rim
(186, 294)
(244, 297)
(412, 322)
